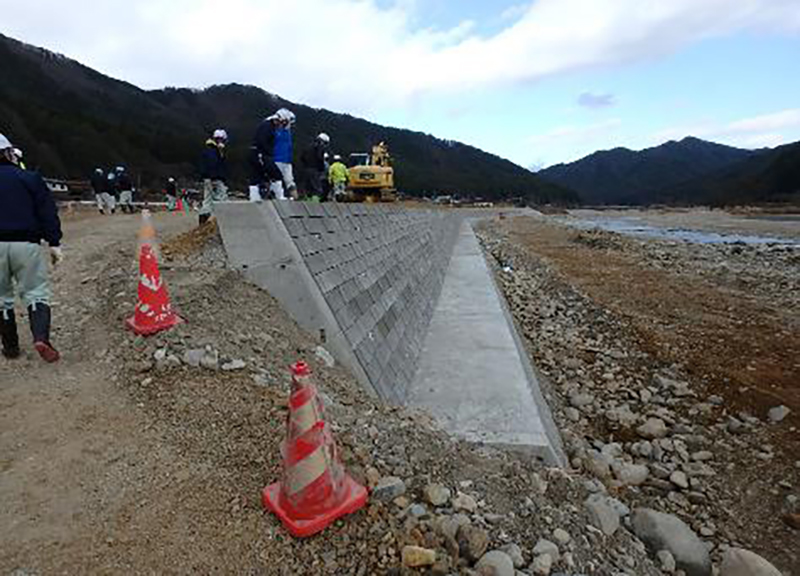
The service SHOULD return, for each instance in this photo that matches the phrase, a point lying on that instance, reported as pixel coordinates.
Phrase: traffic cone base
(355, 497)
(150, 329)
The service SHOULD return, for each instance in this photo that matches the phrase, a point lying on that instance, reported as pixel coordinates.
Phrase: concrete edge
(558, 456)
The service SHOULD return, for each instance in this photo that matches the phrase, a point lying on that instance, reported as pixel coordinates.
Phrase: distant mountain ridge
(69, 118)
(623, 176)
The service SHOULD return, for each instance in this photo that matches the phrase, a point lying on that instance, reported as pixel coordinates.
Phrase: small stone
(417, 511)
(234, 365)
(572, 414)
(538, 484)
(193, 357)
(702, 456)
(388, 488)
(581, 400)
(547, 548)
(495, 563)
(679, 479)
(373, 477)
(415, 556)
(740, 562)
(437, 494)
(661, 531)
(602, 513)
(210, 360)
(778, 414)
(472, 542)
(562, 537)
(325, 356)
(653, 428)
(631, 474)
(465, 502)
(515, 553)
(666, 560)
(542, 565)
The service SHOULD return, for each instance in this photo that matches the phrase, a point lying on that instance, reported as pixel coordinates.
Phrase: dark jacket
(171, 189)
(264, 140)
(28, 211)
(124, 182)
(111, 183)
(212, 165)
(98, 181)
(313, 157)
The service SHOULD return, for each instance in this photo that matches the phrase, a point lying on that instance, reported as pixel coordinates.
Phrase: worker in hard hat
(98, 183)
(338, 176)
(271, 157)
(314, 166)
(125, 189)
(28, 215)
(171, 190)
(214, 172)
(110, 191)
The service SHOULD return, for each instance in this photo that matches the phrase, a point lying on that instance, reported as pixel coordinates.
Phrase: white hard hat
(337, 157)
(98, 170)
(324, 137)
(221, 134)
(172, 179)
(120, 168)
(283, 115)
(5, 143)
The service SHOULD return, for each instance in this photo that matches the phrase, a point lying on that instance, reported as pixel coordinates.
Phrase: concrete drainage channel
(405, 300)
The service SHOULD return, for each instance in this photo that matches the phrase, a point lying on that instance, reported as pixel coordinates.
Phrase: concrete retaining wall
(366, 278)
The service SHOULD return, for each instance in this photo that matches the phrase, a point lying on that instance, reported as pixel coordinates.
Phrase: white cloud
(357, 55)
(771, 129)
(594, 101)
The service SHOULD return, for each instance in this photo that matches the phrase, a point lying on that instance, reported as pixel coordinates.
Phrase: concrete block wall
(380, 270)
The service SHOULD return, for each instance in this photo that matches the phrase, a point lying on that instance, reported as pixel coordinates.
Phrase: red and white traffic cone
(315, 489)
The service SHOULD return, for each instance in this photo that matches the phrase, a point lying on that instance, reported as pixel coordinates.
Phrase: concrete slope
(473, 373)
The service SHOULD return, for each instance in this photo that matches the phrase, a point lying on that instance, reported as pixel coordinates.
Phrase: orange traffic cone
(153, 311)
(315, 489)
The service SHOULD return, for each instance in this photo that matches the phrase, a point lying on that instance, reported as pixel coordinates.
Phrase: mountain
(771, 176)
(622, 176)
(69, 119)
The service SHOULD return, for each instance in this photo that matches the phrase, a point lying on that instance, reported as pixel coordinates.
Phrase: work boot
(40, 328)
(203, 218)
(8, 332)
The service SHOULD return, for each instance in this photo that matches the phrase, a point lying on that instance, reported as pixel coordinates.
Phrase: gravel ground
(702, 339)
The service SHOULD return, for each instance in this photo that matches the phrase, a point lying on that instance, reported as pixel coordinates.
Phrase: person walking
(339, 177)
(271, 157)
(28, 215)
(110, 191)
(98, 182)
(313, 163)
(214, 173)
(125, 188)
(171, 190)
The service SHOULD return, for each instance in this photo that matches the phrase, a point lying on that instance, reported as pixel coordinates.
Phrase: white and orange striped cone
(153, 311)
(315, 489)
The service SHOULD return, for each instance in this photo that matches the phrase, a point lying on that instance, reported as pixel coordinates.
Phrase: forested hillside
(69, 118)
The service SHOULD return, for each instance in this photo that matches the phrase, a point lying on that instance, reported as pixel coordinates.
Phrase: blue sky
(537, 82)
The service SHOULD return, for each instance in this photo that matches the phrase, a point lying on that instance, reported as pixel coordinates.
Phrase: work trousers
(213, 191)
(23, 264)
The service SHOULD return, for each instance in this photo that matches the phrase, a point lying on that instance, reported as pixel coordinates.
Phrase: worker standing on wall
(125, 188)
(214, 172)
(271, 157)
(312, 161)
(98, 182)
(338, 176)
(171, 190)
(28, 215)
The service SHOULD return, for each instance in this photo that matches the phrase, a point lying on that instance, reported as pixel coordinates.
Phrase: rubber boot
(203, 218)
(40, 328)
(8, 332)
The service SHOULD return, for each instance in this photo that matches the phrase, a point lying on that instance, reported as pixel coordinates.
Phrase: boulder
(661, 531)
(740, 562)
(495, 563)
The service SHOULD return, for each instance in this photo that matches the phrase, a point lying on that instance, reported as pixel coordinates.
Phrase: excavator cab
(371, 176)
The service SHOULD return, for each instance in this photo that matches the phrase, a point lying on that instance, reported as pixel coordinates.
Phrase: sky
(537, 82)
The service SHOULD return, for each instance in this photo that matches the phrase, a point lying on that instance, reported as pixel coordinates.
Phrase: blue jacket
(212, 165)
(28, 211)
(282, 151)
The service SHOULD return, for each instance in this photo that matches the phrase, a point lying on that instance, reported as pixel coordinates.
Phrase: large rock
(472, 542)
(630, 474)
(778, 414)
(740, 562)
(661, 531)
(495, 563)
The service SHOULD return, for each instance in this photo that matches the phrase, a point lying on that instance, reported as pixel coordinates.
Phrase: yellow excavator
(371, 176)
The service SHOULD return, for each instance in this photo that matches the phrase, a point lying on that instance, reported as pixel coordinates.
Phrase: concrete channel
(406, 301)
